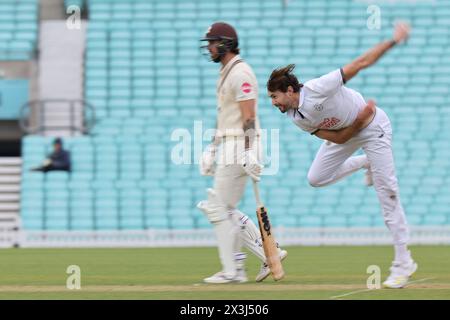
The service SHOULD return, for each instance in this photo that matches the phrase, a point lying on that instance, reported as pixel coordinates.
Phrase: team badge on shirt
(318, 106)
(328, 123)
(246, 87)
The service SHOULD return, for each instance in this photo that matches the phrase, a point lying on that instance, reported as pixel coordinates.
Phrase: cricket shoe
(400, 274)
(222, 277)
(264, 272)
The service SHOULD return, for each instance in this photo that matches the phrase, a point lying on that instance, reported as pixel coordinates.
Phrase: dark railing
(33, 116)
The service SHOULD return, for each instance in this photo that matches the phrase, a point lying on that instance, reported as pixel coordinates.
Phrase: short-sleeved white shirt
(325, 103)
(236, 83)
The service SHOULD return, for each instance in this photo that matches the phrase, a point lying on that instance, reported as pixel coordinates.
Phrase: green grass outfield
(177, 273)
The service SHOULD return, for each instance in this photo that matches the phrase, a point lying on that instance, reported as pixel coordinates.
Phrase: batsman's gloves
(249, 161)
(207, 161)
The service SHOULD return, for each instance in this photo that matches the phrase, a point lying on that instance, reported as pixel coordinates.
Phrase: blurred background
(115, 78)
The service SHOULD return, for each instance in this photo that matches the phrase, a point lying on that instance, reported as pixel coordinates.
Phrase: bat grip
(257, 196)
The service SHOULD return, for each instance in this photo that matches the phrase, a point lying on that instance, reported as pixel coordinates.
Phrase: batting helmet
(226, 34)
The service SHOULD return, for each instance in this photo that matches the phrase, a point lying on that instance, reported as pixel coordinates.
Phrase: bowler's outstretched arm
(401, 33)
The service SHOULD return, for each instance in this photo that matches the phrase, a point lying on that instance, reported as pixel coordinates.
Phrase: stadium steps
(10, 173)
(61, 66)
(10, 177)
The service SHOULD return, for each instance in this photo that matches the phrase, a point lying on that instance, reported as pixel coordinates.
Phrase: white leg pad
(213, 208)
(249, 234)
(240, 260)
(225, 229)
(225, 239)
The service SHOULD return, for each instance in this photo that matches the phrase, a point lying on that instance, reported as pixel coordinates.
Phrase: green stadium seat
(31, 223)
(435, 219)
(158, 222)
(284, 221)
(310, 221)
(107, 222)
(56, 223)
(335, 221)
(134, 223)
(202, 223)
(183, 223)
(32, 210)
(82, 225)
(359, 221)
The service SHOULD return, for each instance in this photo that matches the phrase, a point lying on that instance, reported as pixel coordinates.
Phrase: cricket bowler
(324, 104)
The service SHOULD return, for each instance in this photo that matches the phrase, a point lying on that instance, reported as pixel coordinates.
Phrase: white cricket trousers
(230, 178)
(229, 185)
(334, 162)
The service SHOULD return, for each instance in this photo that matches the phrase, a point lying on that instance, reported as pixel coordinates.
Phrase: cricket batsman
(237, 146)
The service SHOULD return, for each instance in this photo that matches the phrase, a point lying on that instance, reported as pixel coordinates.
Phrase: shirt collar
(225, 68)
(291, 112)
(302, 98)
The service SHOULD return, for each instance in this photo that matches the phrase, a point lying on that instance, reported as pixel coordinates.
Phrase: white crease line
(366, 290)
(421, 280)
(350, 293)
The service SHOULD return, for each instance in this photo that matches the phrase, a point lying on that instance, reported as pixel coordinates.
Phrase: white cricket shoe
(264, 272)
(241, 276)
(368, 180)
(222, 277)
(400, 274)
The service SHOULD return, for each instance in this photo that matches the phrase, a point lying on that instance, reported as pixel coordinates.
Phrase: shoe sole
(226, 281)
(268, 273)
(415, 267)
(393, 287)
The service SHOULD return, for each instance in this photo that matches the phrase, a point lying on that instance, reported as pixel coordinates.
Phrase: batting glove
(251, 165)
(206, 163)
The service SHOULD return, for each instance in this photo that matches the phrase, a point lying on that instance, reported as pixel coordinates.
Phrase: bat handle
(257, 196)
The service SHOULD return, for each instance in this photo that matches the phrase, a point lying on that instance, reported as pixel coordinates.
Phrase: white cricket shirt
(325, 103)
(236, 83)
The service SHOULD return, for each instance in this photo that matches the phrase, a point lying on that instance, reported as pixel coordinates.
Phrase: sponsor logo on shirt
(246, 87)
(318, 106)
(328, 123)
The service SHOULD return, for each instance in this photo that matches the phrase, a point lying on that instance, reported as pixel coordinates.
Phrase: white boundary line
(416, 281)
(366, 290)
(350, 293)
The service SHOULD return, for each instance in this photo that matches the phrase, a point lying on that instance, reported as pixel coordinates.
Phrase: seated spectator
(58, 160)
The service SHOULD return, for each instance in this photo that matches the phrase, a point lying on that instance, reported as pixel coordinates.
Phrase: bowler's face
(280, 100)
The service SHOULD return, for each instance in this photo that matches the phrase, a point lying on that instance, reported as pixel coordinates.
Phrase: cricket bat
(268, 239)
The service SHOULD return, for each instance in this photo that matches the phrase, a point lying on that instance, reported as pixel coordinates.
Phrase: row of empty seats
(18, 29)
(115, 175)
(75, 3)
